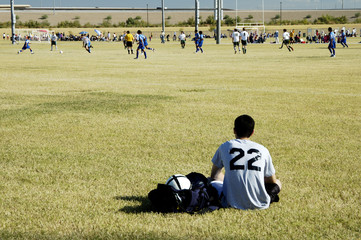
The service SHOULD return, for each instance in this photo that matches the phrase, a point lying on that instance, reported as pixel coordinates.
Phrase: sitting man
(249, 181)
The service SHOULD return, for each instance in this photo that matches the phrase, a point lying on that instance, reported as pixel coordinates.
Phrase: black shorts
(129, 44)
(235, 44)
(244, 43)
(53, 42)
(286, 41)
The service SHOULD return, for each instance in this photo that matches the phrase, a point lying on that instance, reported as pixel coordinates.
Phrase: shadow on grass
(85, 102)
(144, 207)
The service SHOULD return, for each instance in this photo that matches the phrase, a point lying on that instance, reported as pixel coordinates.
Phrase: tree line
(209, 21)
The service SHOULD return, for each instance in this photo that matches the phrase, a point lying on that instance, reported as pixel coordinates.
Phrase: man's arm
(217, 174)
(273, 179)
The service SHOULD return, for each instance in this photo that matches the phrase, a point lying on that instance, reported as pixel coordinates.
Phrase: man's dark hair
(139, 32)
(330, 29)
(244, 126)
(128, 32)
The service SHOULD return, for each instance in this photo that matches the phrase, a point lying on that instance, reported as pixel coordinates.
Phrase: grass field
(85, 137)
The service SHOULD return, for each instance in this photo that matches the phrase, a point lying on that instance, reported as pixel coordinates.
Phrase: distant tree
(249, 17)
(130, 21)
(276, 17)
(191, 21)
(210, 20)
(308, 16)
(108, 18)
(44, 17)
(357, 15)
(76, 17)
(229, 21)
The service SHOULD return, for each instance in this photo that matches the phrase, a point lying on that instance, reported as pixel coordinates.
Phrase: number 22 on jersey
(234, 166)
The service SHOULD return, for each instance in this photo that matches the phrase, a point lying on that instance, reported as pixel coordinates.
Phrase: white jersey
(244, 35)
(182, 37)
(246, 165)
(54, 38)
(235, 36)
(86, 40)
(286, 36)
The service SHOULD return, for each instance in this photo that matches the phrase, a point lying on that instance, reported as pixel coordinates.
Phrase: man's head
(200, 32)
(128, 32)
(244, 126)
(285, 30)
(330, 29)
(244, 29)
(139, 32)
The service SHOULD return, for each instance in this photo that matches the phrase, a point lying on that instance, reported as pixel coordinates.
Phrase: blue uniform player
(196, 38)
(332, 44)
(26, 46)
(199, 43)
(343, 39)
(141, 39)
(146, 44)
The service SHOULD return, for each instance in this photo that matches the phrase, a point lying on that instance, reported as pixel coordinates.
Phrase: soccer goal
(40, 35)
(256, 28)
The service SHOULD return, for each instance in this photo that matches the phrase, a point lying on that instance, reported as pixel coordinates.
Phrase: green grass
(85, 137)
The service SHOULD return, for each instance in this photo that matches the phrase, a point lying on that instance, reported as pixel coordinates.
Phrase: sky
(241, 4)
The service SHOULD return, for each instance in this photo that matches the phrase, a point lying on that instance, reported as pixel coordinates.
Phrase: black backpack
(202, 197)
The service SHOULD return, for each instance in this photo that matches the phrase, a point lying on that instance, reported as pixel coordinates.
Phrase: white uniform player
(286, 40)
(182, 39)
(249, 181)
(245, 162)
(54, 38)
(286, 36)
(235, 39)
(244, 37)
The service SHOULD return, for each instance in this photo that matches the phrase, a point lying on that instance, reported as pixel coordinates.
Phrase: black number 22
(241, 154)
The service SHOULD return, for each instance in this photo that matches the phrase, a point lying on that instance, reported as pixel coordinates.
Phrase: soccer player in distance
(141, 44)
(129, 39)
(249, 181)
(286, 40)
(146, 45)
(332, 43)
(54, 38)
(199, 43)
(235, 39)
(244, 39)
(26, 46)
(182, 39)
(86, 43)
(343, 39)
(196, 39)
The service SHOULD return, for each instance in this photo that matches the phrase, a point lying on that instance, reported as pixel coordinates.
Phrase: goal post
(257, 27)
(38, 35)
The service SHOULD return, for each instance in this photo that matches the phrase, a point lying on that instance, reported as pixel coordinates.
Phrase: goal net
(255, 28)
(39, 35)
